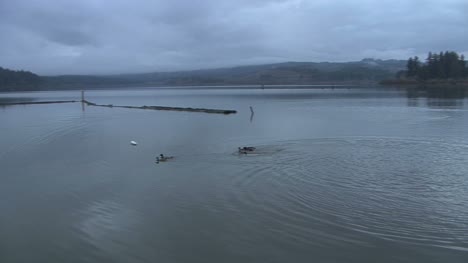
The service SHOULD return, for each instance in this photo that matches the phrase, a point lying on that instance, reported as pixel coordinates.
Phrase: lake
(344, 174)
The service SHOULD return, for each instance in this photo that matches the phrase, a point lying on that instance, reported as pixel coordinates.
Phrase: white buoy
(134, 143)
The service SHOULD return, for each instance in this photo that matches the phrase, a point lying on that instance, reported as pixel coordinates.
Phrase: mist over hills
(288, 73)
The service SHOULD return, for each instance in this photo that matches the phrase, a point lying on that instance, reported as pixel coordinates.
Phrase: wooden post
(82, 101)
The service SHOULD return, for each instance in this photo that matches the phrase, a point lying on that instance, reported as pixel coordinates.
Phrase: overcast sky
(114, 36)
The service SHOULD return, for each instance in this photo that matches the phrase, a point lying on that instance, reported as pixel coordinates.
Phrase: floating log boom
(89, 103)
(216, 111)
(38, 102)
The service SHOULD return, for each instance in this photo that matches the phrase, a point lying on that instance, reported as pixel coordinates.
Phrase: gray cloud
(99, 36)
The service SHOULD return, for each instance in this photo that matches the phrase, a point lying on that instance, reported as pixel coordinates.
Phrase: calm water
(341, 175)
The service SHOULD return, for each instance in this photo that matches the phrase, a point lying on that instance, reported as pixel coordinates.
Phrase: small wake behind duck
(259, 150)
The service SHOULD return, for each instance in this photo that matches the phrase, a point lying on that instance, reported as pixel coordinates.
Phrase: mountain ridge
(286, 73)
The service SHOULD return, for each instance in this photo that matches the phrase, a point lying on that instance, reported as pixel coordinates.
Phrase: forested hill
(11, 80)
(364, 71)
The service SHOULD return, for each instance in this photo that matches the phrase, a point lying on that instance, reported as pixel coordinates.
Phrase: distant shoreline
(364, 72)
(203, 87)
(439, 83)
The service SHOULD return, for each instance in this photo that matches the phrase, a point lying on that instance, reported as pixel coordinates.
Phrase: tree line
(444, 65)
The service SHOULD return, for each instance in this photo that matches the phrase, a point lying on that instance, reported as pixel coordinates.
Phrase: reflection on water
(437, 97)
(338, 175)
(356, 186)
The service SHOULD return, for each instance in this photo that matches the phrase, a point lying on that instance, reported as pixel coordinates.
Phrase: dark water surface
(341, 175)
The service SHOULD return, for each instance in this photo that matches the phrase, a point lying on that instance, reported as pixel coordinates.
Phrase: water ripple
(402, 190)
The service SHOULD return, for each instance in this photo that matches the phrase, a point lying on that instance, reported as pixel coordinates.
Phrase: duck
(246, 150)
(162, 158)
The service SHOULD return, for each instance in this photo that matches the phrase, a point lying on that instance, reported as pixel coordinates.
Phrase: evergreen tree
(440, 71)
(444, 65)
(413, 66)
(463, 66)
(410, 68)
(417, 65)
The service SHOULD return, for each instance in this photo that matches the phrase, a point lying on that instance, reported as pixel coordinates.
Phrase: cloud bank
(106, 37)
